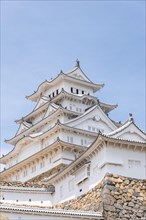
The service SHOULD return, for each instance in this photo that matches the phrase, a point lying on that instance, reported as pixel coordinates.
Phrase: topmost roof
(76, 75)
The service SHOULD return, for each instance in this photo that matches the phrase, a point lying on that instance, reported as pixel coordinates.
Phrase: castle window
(73, 90)
(69, 139)
(71, 185)
(42, 164)
(33, 169)
(57, 92)
(25, 173)
(77, 91)
(17, 177)
(82, 142)
(82, 91)
(134, 163)
(89, 128)
(95, 170)
(137, 163)
(53, 94)
(61, 191)
(88, 170)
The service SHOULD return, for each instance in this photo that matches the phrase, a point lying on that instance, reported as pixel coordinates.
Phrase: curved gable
(94, 119)
(78, 74)
(42, 101)
(129, 131)
(21, 128)
(51, 108)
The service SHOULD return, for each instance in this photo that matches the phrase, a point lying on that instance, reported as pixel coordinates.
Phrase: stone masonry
(117, 197)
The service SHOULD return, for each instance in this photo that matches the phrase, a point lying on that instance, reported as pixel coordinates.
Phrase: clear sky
(39, 38)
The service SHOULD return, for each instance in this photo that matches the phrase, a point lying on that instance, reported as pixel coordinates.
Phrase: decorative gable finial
(61, 72)
(131, 117)
(77, 63)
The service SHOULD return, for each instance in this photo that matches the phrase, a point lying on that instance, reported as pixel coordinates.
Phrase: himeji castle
(68, 142)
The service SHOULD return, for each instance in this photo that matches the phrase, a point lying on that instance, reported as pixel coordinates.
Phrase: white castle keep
(69, 142)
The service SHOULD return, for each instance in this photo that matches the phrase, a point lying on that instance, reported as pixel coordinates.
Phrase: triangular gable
(21, 128)
(129, 131)
(51, 108)
(78, 74)
(94, 119)
(41, 102)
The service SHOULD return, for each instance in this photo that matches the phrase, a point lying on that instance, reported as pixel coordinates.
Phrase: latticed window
(71, 185)
(89, 128)
(25, 173)
(134, 163)
(61, 191)
(82, 142)
(88, 170)
(137, 163)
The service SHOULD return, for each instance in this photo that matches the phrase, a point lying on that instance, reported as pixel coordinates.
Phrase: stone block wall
(117, 197)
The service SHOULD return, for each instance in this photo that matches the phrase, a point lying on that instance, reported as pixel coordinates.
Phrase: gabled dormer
(94, 119)
(51, 108)
(78, 73)
(43, 100)
(129, 131)
(23, 127)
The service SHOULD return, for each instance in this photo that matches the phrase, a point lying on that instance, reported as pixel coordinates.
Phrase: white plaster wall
(62, 191)
(29, 150)
(52, 89)
(24, 196)
(22, 216)
(67, 188)
(76, 106)
(98, 171)
(68, 155)
(86, 89)
(38, 117)
(137, 166)
(131, 136)
(93, 126)
(96, 118)
(75, 138)
(48, 162)
(11, 162)
(72, 189)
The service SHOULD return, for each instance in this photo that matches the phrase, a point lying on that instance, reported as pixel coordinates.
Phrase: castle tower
(63, 124)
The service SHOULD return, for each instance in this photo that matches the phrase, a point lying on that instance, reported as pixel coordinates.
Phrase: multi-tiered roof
(64, 123)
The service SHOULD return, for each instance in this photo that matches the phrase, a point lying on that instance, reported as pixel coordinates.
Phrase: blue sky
(39, 38)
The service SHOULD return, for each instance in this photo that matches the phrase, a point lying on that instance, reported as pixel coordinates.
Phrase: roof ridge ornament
(131, 117)
(77, 63)
(61, 72)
